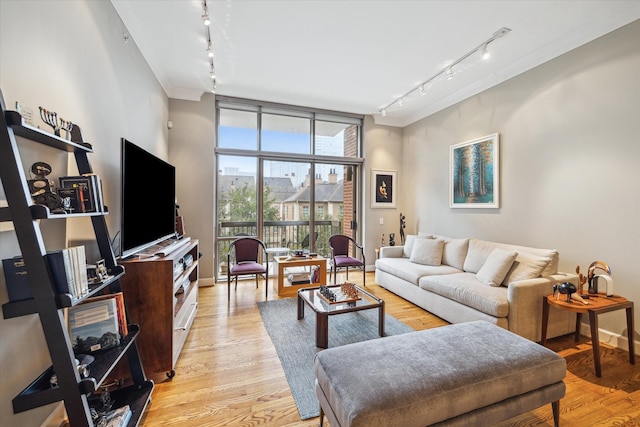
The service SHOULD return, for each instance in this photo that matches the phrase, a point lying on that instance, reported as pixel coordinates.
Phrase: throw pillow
(455, 252)
(496, 267)
(427, 251)
(408, 244)
(526, 266)
(477, 254)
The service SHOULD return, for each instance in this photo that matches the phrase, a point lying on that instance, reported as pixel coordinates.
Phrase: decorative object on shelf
(382, 241)
(392, 237)
(50, 118)
(42, 188)
(474, 173)
(596, 280)
(383, 188)
(403, 225)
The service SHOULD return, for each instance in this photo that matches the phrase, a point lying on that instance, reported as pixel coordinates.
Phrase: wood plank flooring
(229, 373)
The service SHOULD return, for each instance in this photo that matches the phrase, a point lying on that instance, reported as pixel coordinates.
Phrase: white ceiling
(356, 55)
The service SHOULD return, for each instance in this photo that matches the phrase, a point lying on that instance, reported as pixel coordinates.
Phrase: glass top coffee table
(324, 308)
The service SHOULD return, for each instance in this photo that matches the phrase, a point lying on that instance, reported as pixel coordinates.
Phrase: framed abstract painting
(383, 188)
(474, 173)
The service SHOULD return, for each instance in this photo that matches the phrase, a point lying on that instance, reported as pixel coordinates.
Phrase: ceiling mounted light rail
(482, 48)
(207, 23)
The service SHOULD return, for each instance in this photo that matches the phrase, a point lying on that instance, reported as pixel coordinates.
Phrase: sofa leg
(555, 406)
(321, 416)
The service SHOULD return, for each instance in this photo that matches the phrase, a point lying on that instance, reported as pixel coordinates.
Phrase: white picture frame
(384, 186)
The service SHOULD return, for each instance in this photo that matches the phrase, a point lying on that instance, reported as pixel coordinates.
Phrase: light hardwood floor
(229, 373)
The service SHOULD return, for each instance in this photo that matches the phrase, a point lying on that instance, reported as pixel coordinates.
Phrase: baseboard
(206, 282)
(611, 338)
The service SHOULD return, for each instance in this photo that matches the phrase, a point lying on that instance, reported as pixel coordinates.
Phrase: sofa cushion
(526, 266)
(466, 289)
(427, 251)
(477, 254)
(408, 244)
(496, 267)
(411, 271)
(455, 252)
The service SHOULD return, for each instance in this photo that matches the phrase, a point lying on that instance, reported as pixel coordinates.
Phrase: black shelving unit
(25, 215)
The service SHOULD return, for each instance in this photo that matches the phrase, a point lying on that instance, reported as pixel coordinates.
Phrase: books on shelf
(94, 325)
(68, 268)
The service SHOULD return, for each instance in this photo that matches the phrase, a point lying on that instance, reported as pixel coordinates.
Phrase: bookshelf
(25, 216)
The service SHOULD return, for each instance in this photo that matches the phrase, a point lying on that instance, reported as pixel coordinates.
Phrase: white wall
(570, 163)
(70, 57)
(383, 150)
(191, 142)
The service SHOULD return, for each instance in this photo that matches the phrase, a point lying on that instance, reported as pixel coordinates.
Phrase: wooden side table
(598, 304)
(292, 290)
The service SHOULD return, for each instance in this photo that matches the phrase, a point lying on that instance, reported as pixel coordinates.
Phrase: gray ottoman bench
(466, 374)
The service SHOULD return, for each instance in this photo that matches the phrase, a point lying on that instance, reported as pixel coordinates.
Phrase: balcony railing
(277, 234)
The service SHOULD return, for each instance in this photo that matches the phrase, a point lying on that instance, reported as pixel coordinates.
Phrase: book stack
(68, 269)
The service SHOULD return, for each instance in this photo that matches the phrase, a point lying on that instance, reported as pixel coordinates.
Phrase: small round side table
(598, 304)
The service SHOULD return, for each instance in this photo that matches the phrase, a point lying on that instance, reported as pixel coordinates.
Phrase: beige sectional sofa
(467, 279)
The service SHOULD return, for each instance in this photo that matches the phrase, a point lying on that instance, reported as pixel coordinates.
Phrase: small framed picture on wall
(383, 188)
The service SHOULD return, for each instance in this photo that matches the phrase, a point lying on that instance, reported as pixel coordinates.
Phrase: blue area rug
(295, 344)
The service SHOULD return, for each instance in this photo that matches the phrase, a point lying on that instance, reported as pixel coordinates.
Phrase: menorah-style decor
(51, 118)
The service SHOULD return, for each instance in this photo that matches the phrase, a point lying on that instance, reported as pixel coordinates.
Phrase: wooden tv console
(161, 295)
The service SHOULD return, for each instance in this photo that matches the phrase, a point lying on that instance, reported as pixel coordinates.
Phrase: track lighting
(485, 52)
(482, 48)
(212, 67)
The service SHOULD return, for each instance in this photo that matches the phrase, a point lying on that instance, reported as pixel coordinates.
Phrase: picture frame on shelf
(383, 188)
(474, 173)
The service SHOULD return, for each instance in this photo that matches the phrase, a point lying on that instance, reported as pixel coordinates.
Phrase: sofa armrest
(525, 303)
(391, 251)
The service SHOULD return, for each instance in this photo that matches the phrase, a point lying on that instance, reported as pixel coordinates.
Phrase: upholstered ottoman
(466, 374)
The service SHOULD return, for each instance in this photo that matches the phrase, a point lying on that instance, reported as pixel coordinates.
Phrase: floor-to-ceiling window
(285, 174)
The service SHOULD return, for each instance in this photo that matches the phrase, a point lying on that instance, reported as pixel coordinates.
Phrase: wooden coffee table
(598, 304)
(324, 309)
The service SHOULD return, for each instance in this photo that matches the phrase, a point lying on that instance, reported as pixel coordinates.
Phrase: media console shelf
(161, 295)
(73, 390)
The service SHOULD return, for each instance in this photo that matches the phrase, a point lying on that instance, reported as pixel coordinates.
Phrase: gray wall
(191, 142)
(70, 57)
(570, 163)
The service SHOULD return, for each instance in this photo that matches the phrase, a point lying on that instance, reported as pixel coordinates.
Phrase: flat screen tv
(148, 187)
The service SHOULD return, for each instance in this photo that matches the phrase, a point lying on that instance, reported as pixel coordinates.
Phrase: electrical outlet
(381, 221)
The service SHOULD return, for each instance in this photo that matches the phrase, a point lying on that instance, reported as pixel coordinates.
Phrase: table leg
(300, 308)
(632, 356)
(381, 319)
(578, 324)
(595, 342)
(545, 320)
(322, 330)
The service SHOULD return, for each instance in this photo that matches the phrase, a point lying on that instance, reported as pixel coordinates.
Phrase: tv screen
(148, 199)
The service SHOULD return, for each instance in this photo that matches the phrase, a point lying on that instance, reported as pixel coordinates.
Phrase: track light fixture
(485, 52)
(207, 23)
(449, 73)
(482, 48)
